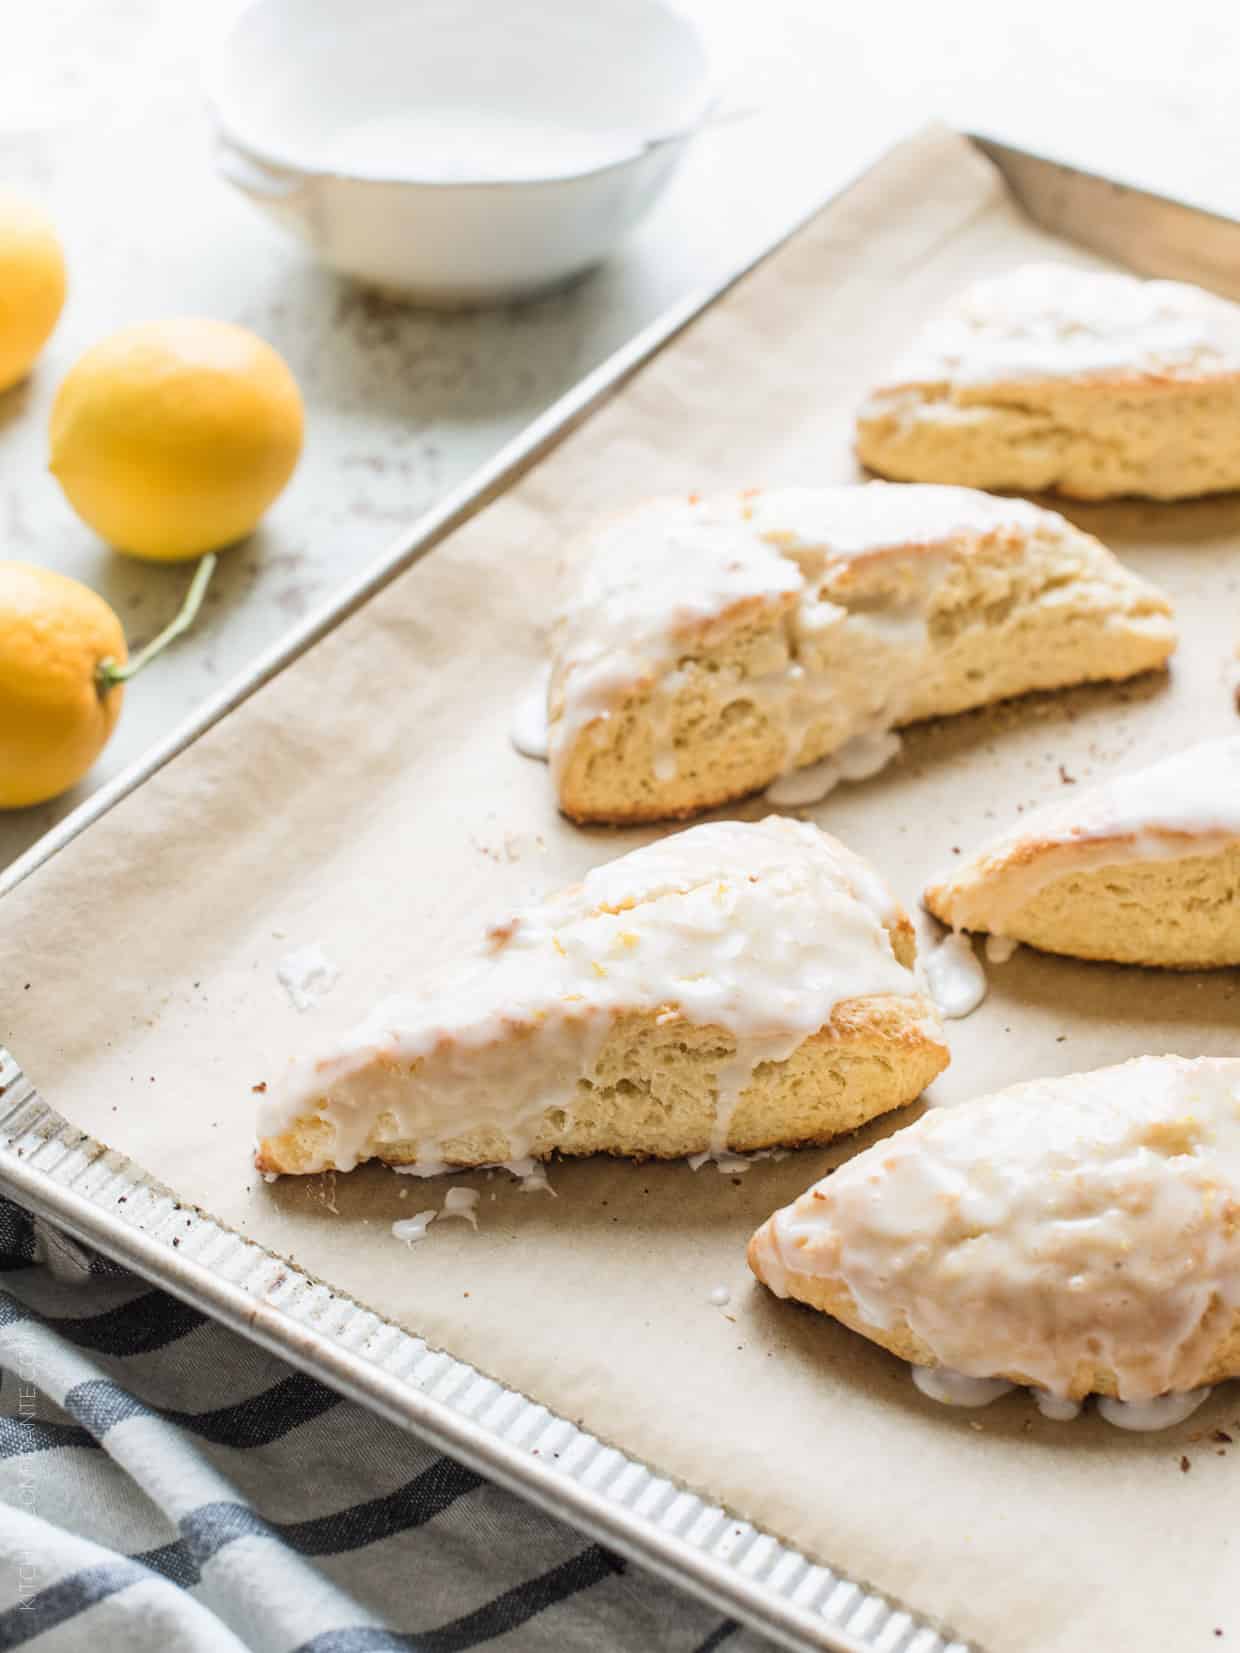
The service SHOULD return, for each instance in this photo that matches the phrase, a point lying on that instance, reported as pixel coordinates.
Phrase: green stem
(108, 673)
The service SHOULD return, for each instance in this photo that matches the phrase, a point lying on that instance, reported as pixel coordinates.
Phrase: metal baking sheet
(109, 1202)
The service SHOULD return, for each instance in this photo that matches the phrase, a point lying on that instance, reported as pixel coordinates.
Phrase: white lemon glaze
(1060, 1410)
(1137, 1416)
(307, 975)
(761, 929)
(463, 1203)
(1186, 805)
(528, 730)
(1051, 321)
(956, 1389)
(1058, 1226)
(412, 1229)
(859, 758)
(656, 574)
(1161, 1412)
(955, 976)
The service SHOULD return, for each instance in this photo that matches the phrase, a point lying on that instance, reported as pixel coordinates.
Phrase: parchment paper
(368, 799)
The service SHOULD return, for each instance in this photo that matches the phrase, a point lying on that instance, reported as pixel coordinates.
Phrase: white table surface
(99, 116)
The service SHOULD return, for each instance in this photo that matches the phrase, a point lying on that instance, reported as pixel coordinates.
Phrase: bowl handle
(253, 177)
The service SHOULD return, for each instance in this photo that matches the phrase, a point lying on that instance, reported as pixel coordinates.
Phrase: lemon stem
(109, 672)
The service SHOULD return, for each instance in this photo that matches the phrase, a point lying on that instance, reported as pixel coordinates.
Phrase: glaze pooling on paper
(955, 976)
(307, 975)
(956, 1388)
(528, 730)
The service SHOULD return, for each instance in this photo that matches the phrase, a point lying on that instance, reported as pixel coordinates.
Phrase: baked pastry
(1142, 869)
(1078, 1234)
(729, 988)
(714, 646)
(1088, 382)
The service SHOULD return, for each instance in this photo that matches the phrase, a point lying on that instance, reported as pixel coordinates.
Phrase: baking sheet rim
(797, 1612)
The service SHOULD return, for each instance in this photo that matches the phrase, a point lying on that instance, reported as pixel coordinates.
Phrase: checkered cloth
(169, 1488)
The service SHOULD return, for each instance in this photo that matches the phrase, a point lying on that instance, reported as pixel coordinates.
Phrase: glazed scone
(714, 646)
(1080, 1234)
(732, 987)
(1089, 383)
(1141, 869)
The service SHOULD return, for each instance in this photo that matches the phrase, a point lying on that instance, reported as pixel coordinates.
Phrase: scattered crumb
(1221, 1435)
(259, 1088)
(511, 848)
(1068, 780)
(1185, 1466)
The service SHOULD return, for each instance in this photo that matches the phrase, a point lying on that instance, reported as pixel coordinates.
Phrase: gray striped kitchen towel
(169, 1488)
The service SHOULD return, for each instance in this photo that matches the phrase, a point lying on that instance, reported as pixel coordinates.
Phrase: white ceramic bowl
(457, 151)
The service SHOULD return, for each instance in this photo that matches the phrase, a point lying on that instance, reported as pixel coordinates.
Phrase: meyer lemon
(55, 712)
(32, 285)
(63, 668)
(172, 438)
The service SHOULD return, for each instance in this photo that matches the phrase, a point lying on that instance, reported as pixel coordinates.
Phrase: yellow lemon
(173, 437)
(32, 285)
(56, 711)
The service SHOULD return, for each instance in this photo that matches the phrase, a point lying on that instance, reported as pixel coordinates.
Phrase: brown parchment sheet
(368, 799)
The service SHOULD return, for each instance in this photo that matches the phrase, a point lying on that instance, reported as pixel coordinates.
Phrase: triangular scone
(1091, 383)
(1078, 1234)
(732, 987)
(1142, 869)
(714, 646)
